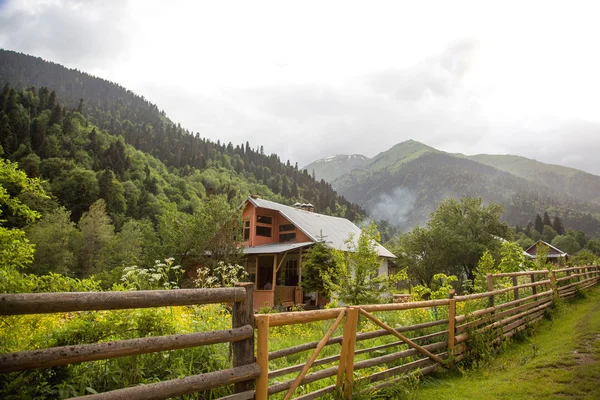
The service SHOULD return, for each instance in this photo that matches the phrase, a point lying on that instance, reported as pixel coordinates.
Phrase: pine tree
(539, 224)
(546, 219)
(319, 262)
(558, 225)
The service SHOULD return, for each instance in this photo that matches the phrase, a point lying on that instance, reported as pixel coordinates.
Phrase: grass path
(560, 361)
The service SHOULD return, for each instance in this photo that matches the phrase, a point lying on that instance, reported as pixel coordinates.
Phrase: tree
(467, 228)
(455, 238)
(539, 224)
(97, 233)
(111, 190)
(566, 243)
(546, 219)
(319, 262)
(357, 270)
(593, 246)
(548, 233)
(16, 252)
(54, 236)
(558, 225)
(207, 236)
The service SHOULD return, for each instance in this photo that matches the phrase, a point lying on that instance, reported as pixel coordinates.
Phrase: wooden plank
(44, 303)
(298, 367)
(316, 376)
(348, 374)
(401, 337)
(490, 288)
(178, 387)
(404, 306)
(400, 342)
(349, 327)
(359, 337)
(302, 317)
(390, 358)
(511, 303)
(451, 325)
(314, 355)
(262, 356)
(247, 395)
(243, 351)
(318, 393)
(499, 291)
(521, 273)
(99, 351)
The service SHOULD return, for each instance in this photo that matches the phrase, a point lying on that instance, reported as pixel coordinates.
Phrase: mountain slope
(329, 168)
(565, 180)
(406, 183)
(228, 168)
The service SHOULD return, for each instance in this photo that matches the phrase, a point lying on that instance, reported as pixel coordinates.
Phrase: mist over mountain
(406, 183)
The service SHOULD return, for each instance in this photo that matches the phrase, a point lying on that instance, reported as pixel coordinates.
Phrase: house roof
(554, 251)
(275, 248)
(335, 230)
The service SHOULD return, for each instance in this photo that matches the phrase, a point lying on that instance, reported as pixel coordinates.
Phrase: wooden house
(554, 253)
(275, 238)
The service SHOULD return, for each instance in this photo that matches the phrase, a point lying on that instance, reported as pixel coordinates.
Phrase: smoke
(395, 207)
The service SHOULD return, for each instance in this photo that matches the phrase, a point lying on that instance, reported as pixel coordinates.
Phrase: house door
(265, 273)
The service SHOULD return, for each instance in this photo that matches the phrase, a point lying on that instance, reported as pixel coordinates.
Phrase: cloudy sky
(314, 78)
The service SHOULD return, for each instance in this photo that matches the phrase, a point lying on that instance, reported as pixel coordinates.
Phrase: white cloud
(308, 79)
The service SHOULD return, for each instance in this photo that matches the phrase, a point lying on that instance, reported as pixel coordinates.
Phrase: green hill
(579, 184)
(236, 170)
(406, 183)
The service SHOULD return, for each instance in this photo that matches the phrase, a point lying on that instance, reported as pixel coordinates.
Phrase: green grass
(561, 360)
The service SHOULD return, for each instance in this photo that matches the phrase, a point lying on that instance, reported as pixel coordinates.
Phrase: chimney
(297, 205)
(309, 207)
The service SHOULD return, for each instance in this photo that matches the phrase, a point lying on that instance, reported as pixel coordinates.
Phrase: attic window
(287, 228)
(246, 231)
(263, 219)
(263, 231)
(287, 237)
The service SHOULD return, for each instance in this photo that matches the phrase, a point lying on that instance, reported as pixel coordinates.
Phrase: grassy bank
(560, 360)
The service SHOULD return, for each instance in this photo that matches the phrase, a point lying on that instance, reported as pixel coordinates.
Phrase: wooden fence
(352, 361)
(241, 336)
(513, 302)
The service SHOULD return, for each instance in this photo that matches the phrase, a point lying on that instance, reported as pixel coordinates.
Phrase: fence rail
(513, 302)
(345, 362)
(241, 335)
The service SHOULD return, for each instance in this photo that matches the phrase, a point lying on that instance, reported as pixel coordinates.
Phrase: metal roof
(558, 252)
(334, 229)
(275, 248)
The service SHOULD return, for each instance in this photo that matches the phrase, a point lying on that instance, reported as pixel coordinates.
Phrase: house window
(263, 231)
(290, 273)
(287, 237)
(287, 228)
(263, 219)
(246, 231)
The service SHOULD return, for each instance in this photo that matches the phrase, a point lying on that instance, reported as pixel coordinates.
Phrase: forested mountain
(39, 122)
(329, 168)
(565, 180)
(406, 183)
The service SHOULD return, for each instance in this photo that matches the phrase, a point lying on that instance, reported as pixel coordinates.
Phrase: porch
(277, 276)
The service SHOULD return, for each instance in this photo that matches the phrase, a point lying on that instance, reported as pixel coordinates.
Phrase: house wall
(251, 213)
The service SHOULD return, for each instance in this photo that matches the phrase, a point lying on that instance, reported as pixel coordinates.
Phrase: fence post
(345, 376)
(554, 284)
(490, 288)
(262, 357)
(243, 351)
(451, 323)
(533, 288)
(516, 290)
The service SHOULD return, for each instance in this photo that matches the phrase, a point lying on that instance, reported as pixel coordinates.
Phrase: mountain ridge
(422, 176)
